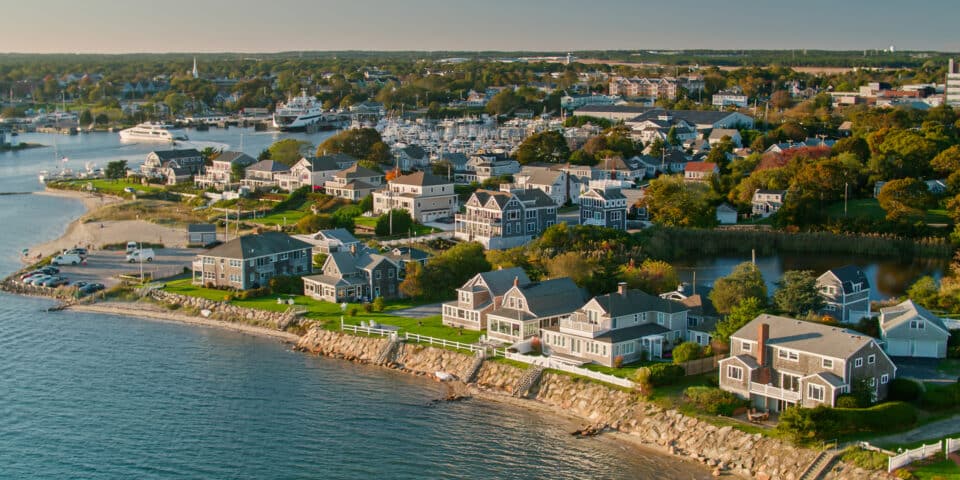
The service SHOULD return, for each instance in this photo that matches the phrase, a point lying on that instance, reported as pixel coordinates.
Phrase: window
(917, 324)
(734, 373)
(827, 363)
(660, 318)
(745, 346)
(858, 362)
(788, 355)
(873, 381)
(871, 359)
(815, 392)
(884, 379)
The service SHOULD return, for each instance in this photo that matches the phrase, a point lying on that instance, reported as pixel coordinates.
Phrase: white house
(909, 330)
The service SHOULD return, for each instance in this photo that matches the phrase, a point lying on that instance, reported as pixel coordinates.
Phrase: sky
(122, 26)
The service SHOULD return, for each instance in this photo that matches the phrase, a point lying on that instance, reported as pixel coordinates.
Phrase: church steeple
(196, 73)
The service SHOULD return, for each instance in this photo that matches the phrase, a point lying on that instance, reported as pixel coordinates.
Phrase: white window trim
(823, 362)
(871, 359)
(858, 362)
(812, 387)
(734, 368)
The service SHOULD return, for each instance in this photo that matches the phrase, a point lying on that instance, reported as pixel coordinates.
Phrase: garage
(924, 349)
(898, 347)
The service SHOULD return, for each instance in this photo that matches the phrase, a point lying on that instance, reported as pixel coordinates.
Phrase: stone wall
(228, 312)
(725, 449)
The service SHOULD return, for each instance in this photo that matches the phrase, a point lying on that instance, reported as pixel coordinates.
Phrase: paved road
(104, 266)
(421, 311)
(931, 431)
(922, 369)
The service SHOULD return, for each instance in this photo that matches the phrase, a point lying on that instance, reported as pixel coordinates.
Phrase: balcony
(198, 264)
(581, 328)
(774, 392)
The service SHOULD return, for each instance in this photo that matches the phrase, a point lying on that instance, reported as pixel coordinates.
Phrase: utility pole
(845, 189)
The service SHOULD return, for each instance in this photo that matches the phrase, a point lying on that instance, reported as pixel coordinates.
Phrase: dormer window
(917, 324)
(857, 287)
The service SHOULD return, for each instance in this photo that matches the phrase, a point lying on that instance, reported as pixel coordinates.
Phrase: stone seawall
(726, 449)
(228, 312)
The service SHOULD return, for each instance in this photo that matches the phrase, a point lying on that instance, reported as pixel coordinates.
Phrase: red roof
(701, 167)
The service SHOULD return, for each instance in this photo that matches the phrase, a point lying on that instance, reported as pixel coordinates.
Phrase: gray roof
(749, 361)
(826, 340)
(483, 196)
(830, 378)
(249, 246)
(331, 162)
(421, 179)
(458, 160)
(850, 275)
(608, 193)
(414, 151)
(535, 196)
(635, 301)
(201, 228)
(268, 166)
(408, 253)
(632, 333)
(165, 155)
(341, 234)
(235, 157)
(892, 317)
(499, 281)
(542, 176)
(719, 133)
(356, 171)
(335, 281)
(548, 298)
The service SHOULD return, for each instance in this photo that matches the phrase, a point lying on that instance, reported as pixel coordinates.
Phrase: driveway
(105, 266)
(421, 311)
(931, 431)
(922, 370)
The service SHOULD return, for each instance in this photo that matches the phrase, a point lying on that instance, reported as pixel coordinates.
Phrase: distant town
(533, 210)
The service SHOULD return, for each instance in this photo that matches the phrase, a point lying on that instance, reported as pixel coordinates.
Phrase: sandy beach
(81, 234)
(154, 312)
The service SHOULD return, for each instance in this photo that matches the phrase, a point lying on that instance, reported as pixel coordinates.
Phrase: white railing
(951, 445)
(775, 392)
(441, 342)
(580, 327)
(548, 362)
(367, 330)
(910, 456)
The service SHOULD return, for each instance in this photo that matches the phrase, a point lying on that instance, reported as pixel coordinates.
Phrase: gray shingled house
(846, 293)
(252, 260)
(525, 309)
(479, 296)
(909, 330)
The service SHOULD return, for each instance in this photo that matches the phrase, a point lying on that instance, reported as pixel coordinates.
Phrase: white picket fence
(367, 330)
(910, 456)
(441, 342)
(548, 362)
(951, 445)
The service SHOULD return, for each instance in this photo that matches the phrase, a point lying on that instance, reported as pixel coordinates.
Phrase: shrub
(618, 361)
(867, 459)
(820, 423)
(662, 374)
(536, 346)
(903, 390)
(367, 307)
(379, 304)
(941, 398)
(642, 380)
(287, 284)
(713, 400)
(904, 474)
(686, 351)
(253, 293)
(352, 312)
(847, 401)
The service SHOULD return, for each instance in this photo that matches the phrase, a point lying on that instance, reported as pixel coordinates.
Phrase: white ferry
(297, 113)
(153, 132)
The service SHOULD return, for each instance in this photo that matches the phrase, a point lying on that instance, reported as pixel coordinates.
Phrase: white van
(145, 255)
(131, 247)
(67, 259)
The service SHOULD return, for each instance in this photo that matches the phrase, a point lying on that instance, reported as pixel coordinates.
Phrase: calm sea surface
(88, 396)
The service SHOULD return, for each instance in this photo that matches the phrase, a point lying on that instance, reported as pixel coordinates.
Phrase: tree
(947, 163)
(86, 118)
(901, 153)
(412, 284)
(744, 282)
(504, 102)
(367, 203)
(673, 202)
(740, 315)
(573, 265)
(447, 271)
(116, 169)
(400, 224)
(358, 143)
(855, 145)
(289, 151)
(904, 199)
(652, 276)
(797, 293)
(656, 147)
(237, 172)
(924, 291)
(102, 119)
(672, 138)
(314, 223)
(781, 100)
(543, 147)
(686, 351)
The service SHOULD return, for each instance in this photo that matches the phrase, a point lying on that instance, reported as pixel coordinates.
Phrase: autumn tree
(573, 265)
(545, 147)
(904, 199)
(744, 282)
(652, 276)
(289, 151)
(672, 202)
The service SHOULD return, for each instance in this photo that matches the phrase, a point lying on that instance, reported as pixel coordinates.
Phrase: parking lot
(105, 266)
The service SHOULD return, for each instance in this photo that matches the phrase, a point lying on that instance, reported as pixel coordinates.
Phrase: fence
(441, 342)
(367, 330)
(701, 365)
(548, 362)
(910, 456)
(951, 445)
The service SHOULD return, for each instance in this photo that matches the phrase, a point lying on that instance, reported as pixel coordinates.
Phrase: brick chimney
(516, 281)
(763, 336)
(622, 288)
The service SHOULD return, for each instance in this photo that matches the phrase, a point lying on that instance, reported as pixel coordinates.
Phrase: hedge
(714, 401)
(665, 374)
(822, 423)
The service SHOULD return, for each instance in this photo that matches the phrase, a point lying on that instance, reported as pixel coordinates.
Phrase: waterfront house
(480, 295)
(332, 240)
(525, 309)
(909, 330)
(426, 197)
(702, 316)
(778, 362)
(263, 174)
(353, 183)
(767, 202)
(604, 207)
(251, 261)
(501, 220)
(411, 157)
(201, 234)
(219, 174)
(313, 171)
(846, 293)
(354, 276)
(553, 182)
(174, 166)
(629, 324)
(730, 97)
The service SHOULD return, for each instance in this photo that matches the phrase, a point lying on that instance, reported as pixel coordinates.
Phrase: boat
(297, 113)
(153, 132)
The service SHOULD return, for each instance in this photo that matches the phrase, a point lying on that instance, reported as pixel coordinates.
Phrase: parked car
(67, 259)
(79, 285)
(145, 255)
(48, 270)
(34, 280)
(82, 252)
(34, 273)
(91, 288)
(53, 281)
(132, 247)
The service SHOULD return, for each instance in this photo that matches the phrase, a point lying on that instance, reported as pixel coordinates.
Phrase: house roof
(606, 193)
(764, 191)
(542, 176)
(719, 133)
(892, 317)
(409, 253)
(848, 275)
(335, 281)
(414, 151)
(165, 155)
(830, 378)
(556, 296)
(499, 281)
(726, 207)
(249, 246)
(236, 157)
(340, 234)
(420, 179)
(747, 360)
(822, 339)
(268, 166)
(701, 167)
(329, 162)
(356, 171)
(201, 228)
(632, 333)
(636, 301)
(535, 196)
(483, 196)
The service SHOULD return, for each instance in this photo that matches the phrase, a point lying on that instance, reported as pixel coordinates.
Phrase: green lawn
(285, 217)
(950, 366)
(371, 223)
(626, 371)
(113, 187)
(941, 469)
(869, 208)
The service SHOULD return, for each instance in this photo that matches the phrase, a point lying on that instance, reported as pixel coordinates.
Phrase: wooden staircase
(389, 352)
(530, 378)
(820, 465)
(471, 375)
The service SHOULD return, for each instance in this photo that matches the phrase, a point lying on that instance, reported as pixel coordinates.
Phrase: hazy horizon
(247, 26)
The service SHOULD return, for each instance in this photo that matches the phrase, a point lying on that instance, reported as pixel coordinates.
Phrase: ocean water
(103, 397)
